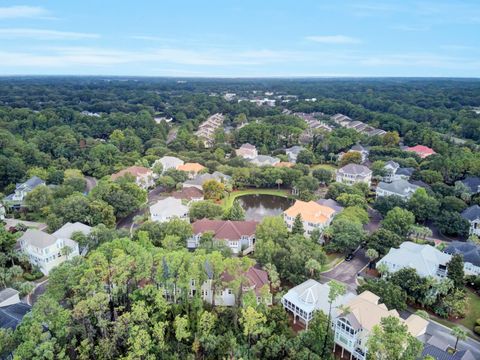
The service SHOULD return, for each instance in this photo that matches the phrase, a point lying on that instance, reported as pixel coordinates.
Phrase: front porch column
(342, 351)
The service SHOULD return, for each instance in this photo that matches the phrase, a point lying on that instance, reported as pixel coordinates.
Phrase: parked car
(349, 257)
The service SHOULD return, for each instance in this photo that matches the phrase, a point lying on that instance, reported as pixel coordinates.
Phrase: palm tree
(336, 289)
(136, 219)
(372, 254)
(279, 182)
(66, 250)
(312, 266)
(459, 333)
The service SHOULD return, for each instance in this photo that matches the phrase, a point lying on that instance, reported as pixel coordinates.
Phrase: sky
(240, 38)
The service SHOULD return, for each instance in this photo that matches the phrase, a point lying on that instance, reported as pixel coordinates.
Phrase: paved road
(346, 272)
(37, 291)
(91, 183)
(375, 218)
(153, 196)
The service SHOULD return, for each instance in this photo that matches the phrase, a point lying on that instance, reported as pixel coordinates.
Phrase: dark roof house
(12, 315)
(473, 183)
(470, 251)
(471, 213)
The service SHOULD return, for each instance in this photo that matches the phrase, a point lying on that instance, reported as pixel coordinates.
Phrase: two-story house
(472, 214)
(471, 255)
(421, 150)
(353, 326)
(401, 188)
(239, 236)
(192, 169)
(364, 152)
(167, 209)
(310, 296)
(16, 199)
(143, 176)
(354, 173)
(254, 280)
(247, 151)
(201, 179)
(313, 215)
(390, 168)
(425, 259)
(47, 251)
(472, 183)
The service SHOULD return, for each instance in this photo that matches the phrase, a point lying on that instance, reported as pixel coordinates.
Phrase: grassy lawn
(228, 201)
(473, 310)
(332, 260)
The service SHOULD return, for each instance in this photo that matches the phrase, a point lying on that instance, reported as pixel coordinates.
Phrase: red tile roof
(256, 278)
(225, 229)
(421, 150)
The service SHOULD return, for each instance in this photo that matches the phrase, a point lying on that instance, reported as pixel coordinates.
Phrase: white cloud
(42, 34)
(333, 39)
(23, 11)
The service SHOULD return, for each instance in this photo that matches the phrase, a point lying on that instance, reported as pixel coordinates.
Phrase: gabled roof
(471, 213)
(31, 183)
(421, 150)
(332, 204)
(358, 147)
(170, 160)
(132, 170)
(408, 171)
(425, 259)
(11, 316)
(225, 229)
(310, 211)
(355, 169)
(7, 293)
(473, 183)
(392, 164)
(248, 146)
(295, 149)
(401, 187)
(265, 160)
(199, 180)
(257, 279)
(365, 311)
(312, 295)
(188, 193)
(191, 167)
(470, 251)
(169, 206)
(439, 354)
(67, 230)
(38, 238)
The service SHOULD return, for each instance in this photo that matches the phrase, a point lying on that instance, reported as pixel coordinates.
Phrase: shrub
(476, 330)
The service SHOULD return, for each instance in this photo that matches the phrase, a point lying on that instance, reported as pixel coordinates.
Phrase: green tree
(422, 205)
(39, 198)
(336, 289)
(383, 240)
(235, 212)
(455, 271)
(306, 186)
(270, 234)
(351, 157)
(313, 266)
(345, 235)
(252, 322)
(297, 227)
(460, 334)
(391, 341)
(213, 190)
(205, 209)
(398, 221)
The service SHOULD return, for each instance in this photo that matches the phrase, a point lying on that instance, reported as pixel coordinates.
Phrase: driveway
(91, 183)
(375, 219)
(346, 272)
(37, 291)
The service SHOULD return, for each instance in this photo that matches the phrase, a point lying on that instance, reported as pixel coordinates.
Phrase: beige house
(353, 326)
(314, 215)
(143, 176)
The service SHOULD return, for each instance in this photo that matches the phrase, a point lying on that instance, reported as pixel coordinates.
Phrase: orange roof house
(421, 150)
(191, 167)
(314, 215)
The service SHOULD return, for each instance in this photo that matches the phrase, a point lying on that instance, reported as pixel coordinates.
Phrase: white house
(353, 173)
(168, 162)
(390, 168)
(265, 160)
(352, 327)
(167, 209)
(314, 216)
(310, 296)
(247, 151)
(47, 251)
(143, 176)
(21, 190)
(472, 214)
(401, 188)
(425, 259)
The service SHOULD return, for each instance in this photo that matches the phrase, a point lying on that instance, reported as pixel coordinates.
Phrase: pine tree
(235, 213)
(298, 225)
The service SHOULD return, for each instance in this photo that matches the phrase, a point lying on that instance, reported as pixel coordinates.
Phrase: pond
(258, 206)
